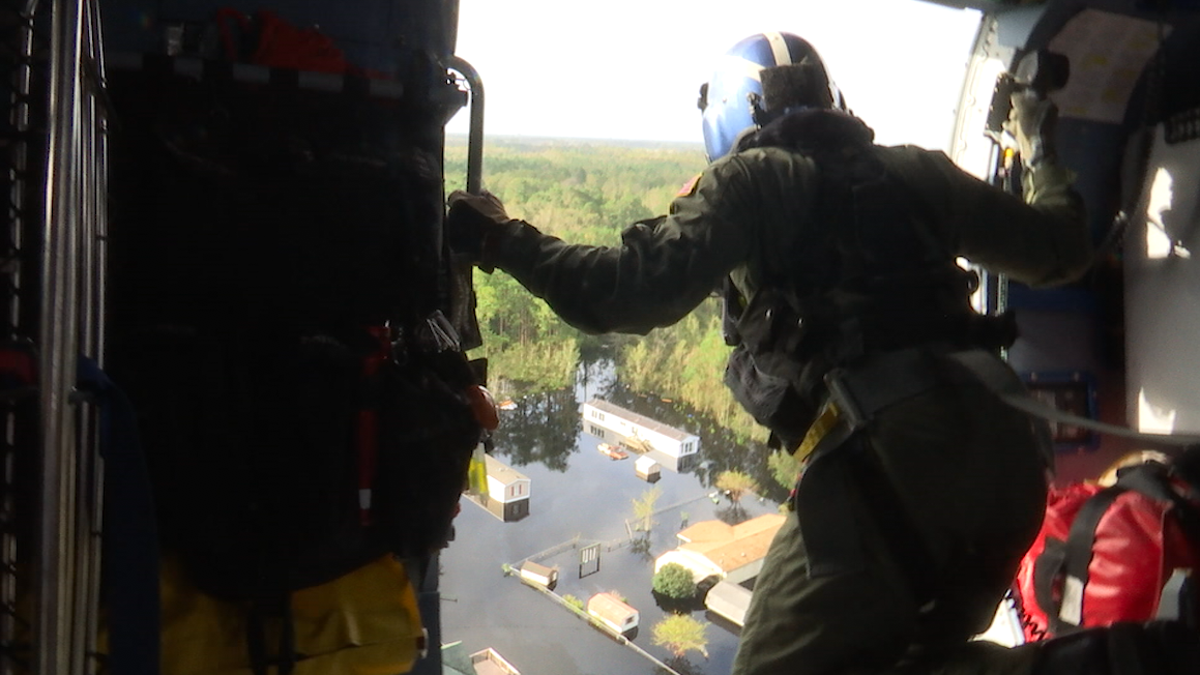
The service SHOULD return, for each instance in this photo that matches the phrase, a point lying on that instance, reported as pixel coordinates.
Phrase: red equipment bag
(1104, 554)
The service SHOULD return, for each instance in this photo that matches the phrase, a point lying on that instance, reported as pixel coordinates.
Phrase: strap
(819, 435)
(1046, 569)
(998, 378)
(273, 613)
(1177, 602)
(130, 536)
(863, 390)
(1080, 540)
(825, 512)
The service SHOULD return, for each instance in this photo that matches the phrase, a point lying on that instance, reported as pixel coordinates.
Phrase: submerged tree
(735, 484)
(643, 507)
(675, 581)
(680, 634)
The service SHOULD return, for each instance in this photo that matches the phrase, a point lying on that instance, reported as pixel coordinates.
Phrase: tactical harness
(867, 279)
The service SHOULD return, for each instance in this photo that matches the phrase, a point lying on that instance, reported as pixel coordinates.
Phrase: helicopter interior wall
(1080, 331)
(1162, 278)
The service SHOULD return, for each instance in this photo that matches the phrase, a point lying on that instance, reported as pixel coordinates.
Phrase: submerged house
(671, 447)
(508, 491)
(613, 612)
(732, 553)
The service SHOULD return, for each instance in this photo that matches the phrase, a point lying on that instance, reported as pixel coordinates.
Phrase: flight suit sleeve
(1041, 241)
(660, 272)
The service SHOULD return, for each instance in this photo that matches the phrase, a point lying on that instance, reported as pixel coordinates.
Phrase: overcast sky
(631, 69)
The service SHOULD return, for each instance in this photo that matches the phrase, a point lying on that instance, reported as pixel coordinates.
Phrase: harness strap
(996, 376)
(1046, 568)
(1077, 556)
(271, 636)
(130, 564)
(828, 481)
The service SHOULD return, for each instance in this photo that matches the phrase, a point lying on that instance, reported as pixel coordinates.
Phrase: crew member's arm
(661, 271)
(1041, 241)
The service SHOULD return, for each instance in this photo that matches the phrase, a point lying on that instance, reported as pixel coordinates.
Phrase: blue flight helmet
(732, 101)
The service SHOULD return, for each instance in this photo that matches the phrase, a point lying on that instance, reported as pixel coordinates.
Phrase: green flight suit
(965, 468)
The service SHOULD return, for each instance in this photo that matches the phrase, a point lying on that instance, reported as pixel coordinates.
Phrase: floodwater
(578, 492)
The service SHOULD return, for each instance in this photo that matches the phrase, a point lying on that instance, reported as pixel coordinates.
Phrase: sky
(632, 69)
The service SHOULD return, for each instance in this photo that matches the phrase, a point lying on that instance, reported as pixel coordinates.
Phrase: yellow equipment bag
(363, 623)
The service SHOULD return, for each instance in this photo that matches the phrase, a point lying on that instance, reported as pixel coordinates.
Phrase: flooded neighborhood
(553, 570)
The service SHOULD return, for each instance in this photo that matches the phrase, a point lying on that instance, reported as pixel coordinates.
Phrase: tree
(680, 633)
(784, 468)
(675, 581)
(643, 507)
(735, 484)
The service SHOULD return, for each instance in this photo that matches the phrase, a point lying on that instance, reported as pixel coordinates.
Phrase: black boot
(1155, 648)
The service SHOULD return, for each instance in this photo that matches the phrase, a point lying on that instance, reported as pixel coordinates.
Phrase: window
(595, 431)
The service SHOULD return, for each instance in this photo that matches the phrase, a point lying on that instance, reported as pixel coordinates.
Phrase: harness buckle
(841, 397)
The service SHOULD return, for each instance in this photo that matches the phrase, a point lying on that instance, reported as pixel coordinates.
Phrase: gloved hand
(1032, 122)
(472, 219)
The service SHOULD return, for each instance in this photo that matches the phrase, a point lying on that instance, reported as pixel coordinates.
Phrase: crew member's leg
(966, 476)
(801, 626)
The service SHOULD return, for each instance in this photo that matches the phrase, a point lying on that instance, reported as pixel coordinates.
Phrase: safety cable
(995, 375)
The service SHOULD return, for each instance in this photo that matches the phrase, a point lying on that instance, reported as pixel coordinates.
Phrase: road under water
(577, 492)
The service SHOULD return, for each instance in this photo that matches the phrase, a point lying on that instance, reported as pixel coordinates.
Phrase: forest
(589, 192)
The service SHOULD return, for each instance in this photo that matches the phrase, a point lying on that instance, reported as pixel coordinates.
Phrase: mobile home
(674, 448)
(508, 492)
(612, 612)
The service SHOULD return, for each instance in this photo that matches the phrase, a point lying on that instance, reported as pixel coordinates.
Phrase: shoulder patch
(689, 187)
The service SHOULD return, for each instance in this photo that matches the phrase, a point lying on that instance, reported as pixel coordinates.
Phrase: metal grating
(52, 148)
(1183, 126)
(23, 82)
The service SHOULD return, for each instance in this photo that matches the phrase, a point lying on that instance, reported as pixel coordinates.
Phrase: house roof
(536, 568)
(716, 530)
(502, 472)
(641, 420)
(645, 463)
(732, 546)
(729, 600)
(608, 606)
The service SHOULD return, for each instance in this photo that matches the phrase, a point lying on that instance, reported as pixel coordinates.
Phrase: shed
(539, 575)
(647, 469)
(729, 601)
(612, 612)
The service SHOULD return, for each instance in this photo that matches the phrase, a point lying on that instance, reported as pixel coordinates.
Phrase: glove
(1032, 122)
(472, 221)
